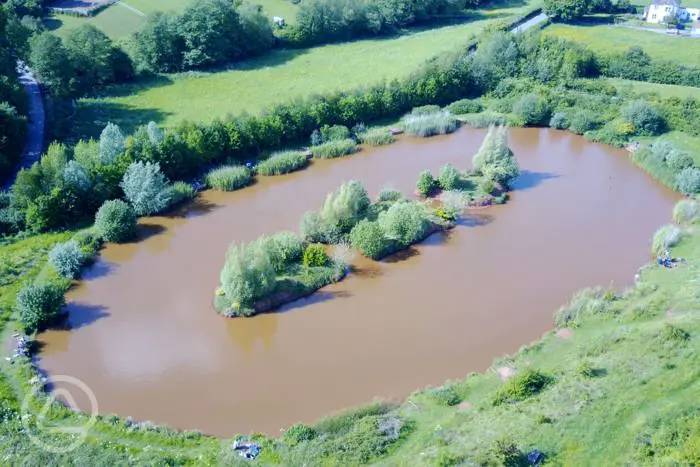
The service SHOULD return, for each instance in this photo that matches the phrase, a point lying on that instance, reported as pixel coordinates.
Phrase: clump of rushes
(229, 178)
(522, 386)
(686, 211)
(429, 124)
(334, 148)
(665, 238)
(180, 192)
(282, 162)
(376, 137)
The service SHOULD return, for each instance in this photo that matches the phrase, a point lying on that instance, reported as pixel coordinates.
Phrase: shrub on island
(334, 148)
(229, 178)
(282, 162)
(495, 160)
(429, 122)
(376, 137)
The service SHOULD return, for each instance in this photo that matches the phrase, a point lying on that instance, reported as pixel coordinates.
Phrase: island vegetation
(586, 393)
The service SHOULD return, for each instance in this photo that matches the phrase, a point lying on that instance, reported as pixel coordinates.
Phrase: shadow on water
(529, 179)
(81, 315)
(146, 231)
(474, 220)
(98, 269)
(402, 255)
(317, 297)
(197, 207)
(367, 271)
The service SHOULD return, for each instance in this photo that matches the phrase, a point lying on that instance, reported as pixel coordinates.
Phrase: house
(662, 11)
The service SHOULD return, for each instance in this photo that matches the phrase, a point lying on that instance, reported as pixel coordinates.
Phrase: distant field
(663, 90)
(606, 38)
(276, 77)
(120, 21)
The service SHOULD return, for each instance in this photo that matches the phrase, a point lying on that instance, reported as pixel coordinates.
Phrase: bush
(666, 237)
(426, 183)
(688, 180)
(179, 192)
(89, 241)
(586, 302)
(298, 433)
(520, 387)
(229, 178)
(67, 258)
(686, 211)
(449, 177)
(282, 162)
(344, 207)
(283, 248)
(485, 119)
(678, 160)
(429, 124)
(559, 121)
(368, 238)
(405, 222)
(583, 120)
(315, 256)
(376, 137)
(334, 133)
(39, 305)
(446, 396)
(146, 188)
(115, 221)
(532, 109)
(336, 148)
(387, 194)
(494, 159)
(248, 275)
(465, 106)
(645, 118)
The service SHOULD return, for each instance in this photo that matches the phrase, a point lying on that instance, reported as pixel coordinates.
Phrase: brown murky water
(145, 338)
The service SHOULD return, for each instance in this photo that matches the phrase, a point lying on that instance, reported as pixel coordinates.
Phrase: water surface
(146, 339)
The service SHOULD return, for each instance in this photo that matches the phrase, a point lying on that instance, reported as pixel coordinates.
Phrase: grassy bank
(662, 90)
(280, 76)
(608, 38)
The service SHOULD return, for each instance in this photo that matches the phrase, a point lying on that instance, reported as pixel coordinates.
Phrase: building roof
(675, 3)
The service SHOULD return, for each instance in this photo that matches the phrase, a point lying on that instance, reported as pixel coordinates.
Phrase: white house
(660, 11)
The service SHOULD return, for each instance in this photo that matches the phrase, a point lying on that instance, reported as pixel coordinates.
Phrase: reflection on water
(144, 337)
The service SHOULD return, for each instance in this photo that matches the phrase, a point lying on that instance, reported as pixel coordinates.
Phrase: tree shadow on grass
(92, 115)
(529, 179)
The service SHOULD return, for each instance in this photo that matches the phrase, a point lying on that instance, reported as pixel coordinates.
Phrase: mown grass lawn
(609, 38)
(119, 20)
(279, 76)
(663, 90)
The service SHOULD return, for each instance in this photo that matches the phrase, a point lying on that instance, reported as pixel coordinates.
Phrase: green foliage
(89, 242)
(111, 143)
(389, 195)
(229, 178)
(429, 124)
(405, 222)
(559, 121)
(585, 303)
(583, 120)
(334, 148)
(376, 137)
(686, 211)
(688, 180)
(115, 221)
(673, 334)
(645, 118)
(248, 275)
(315, 256)
(344, 208)
(67, 258)
(532, 109)
(298, 433)
(146, 188)
(585, 369)
(368, 237)
(522, 386)
(665, 238)
(426, 183)
(465, 106)
(494, 159)
(334, 133)
(179, 192)
(283, 249)
(39, 305)
(445, 395)
(566, 10)
(449, 178)
(282, 162)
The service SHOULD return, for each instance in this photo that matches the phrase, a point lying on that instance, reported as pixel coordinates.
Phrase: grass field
(119, 20)
(279, 76)
(608, 38)
(663, 90)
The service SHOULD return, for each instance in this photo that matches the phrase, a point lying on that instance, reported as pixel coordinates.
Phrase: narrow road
(34, 141)
(532, 22)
